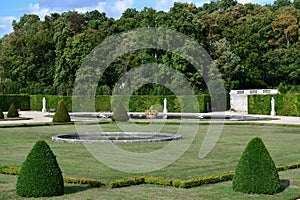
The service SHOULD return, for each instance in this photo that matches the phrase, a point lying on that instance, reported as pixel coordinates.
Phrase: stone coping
(116, 137)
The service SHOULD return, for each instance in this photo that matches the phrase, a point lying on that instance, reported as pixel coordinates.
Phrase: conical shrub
(61, 114)
(12, 111)
(120, 114)
(40, 175)
(1, 114)
(256, 171)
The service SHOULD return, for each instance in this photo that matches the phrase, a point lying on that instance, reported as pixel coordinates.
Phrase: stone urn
(151, 114)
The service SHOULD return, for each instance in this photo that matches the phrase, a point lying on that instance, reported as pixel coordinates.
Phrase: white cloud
(116, 9)
(68, 4)
(37, 10)
(5, 25)
(245, 1)
(112, 9)
(165, 5)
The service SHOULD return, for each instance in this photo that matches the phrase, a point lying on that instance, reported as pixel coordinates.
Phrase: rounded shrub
(12, 111)
(40, 175)
(256, 172)
(120, 114)
(1, 114)
(61, 114)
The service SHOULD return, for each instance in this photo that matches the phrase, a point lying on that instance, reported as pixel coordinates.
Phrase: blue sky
(13, 9)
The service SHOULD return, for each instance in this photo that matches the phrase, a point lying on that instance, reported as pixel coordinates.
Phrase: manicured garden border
(138, 180)
(194, 182)
(72, 180)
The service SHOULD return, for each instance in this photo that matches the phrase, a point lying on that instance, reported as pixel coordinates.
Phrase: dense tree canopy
(253, 46)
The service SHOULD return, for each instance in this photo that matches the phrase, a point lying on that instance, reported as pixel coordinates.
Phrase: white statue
(44, 105)
(273, 113)
(165, 111)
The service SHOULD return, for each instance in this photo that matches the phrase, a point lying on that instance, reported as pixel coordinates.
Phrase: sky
(13, 9)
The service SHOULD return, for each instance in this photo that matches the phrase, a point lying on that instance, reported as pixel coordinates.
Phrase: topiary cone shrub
(40, 175)
(61, 114)
(120, 114)
(1, 114)
(256, 171)
(12, 111)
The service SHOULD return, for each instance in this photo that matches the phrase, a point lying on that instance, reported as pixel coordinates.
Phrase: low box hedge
(67, 179)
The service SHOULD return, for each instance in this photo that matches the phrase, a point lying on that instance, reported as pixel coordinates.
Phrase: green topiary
(1, 114)
(256, 171)
(40, 175)
(61, 114)
(12, 111)
(120, 114)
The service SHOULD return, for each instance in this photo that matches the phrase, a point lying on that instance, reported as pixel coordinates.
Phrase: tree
(256, 172)
(40, 175)
(296, 4)
(61, 114)
(227, 62)
(281, 3)
(285, 27)
(225, 4)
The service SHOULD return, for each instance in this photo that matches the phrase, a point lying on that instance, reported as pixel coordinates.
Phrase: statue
(165, 110)
(44, 105)
(151, 114)
(273, 113)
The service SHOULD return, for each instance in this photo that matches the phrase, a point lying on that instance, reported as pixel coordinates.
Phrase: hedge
(67, 179)
(36, 102)
(285, 104)
(137, 103)
(256, 172)
(21, 102)
(194, 182)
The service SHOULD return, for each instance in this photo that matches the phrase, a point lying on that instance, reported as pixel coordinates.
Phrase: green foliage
(12, 111)
(21, 101)
(43, 56)
(158, 181)
(67, 179)
(127, 182)
(91, 182)
(285, 104)
(1, 114)
(40, 175)
(61, 113)
(256, 172)
(194, 182)
(119, 112)
(36, 102)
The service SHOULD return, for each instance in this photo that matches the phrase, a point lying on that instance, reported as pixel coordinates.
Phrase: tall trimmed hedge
(1, 114)
(21, 102)
(36, 102)
(256, 172)
(137, 103)
(285, 104)
(40, 175)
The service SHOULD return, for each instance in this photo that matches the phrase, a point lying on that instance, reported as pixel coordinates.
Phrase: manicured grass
(76, 161)
(211, 192)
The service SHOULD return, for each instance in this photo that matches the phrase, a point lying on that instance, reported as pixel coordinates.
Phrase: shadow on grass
(284, 184)
(71, 189)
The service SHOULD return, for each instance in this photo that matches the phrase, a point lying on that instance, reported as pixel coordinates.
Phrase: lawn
(75, 160)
